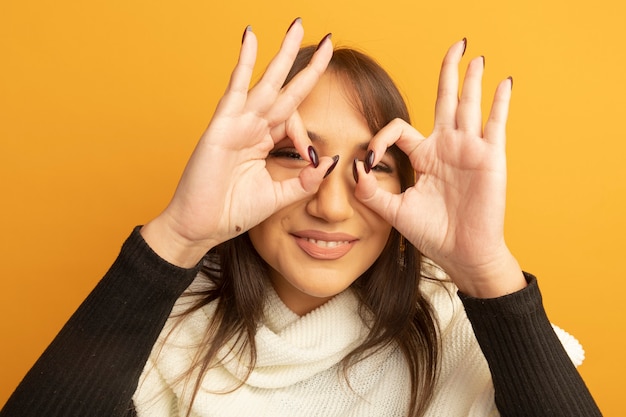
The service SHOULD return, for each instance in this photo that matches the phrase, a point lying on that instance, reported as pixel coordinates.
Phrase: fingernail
(297, 19)
(483, 57)
(511, 79)
(330, 168)
(328, 36)
(464, 46)
(369, 161)
(245, 32)
(355, 172)
(315, 160)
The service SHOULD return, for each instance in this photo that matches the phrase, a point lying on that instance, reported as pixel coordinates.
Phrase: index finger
(397, 132)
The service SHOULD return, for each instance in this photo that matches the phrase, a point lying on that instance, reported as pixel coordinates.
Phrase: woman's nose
(334, 200)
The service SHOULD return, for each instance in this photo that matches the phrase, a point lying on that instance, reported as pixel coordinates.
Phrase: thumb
(367, 191)
(305, 184)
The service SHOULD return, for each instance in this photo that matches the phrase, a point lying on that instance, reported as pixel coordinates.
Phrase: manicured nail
(330, 168)
(245, 32)
(297, 19)
(511, 79)
(315, 160)
(328, 36)
(464, 46)
(355, 172)
(369, 161)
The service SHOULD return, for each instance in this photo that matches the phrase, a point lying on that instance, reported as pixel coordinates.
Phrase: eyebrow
(317, 138)
(314, 136)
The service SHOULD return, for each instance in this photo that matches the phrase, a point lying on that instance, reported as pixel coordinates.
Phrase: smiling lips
(324, 246)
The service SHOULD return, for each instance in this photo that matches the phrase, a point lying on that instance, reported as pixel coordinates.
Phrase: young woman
(311, 227)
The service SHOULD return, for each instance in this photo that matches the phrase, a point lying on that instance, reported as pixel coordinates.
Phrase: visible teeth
(328, 244)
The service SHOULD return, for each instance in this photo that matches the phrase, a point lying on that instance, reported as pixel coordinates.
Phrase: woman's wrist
(172, 246)
(501, 277)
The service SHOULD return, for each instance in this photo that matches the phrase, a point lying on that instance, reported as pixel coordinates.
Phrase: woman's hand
(225, 188)
(454, 214)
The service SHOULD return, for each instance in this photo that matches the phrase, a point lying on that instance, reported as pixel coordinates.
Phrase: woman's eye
(290, 153)
(382, 167)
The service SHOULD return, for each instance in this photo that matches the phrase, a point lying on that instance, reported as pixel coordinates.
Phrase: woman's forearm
(532, 373)
(92, 367)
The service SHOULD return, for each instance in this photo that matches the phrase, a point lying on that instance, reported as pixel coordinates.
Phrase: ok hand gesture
(454, 214)
(225, 188)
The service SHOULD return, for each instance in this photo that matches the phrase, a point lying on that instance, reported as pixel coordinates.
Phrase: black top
(93, 365)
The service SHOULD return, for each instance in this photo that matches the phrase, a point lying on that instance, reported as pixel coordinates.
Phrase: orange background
(101, 104)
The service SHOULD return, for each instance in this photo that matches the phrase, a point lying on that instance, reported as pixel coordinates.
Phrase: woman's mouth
(327, 244)
(324, 246)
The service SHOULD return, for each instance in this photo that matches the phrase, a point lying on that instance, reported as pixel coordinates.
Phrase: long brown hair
(389, 293)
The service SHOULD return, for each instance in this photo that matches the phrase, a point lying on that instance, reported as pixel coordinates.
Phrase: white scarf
(297, 372)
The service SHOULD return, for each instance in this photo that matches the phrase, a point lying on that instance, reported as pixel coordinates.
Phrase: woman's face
(318, 246)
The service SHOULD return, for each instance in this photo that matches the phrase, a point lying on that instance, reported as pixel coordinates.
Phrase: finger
(448, 90)
(397, 132)
(495, 128)
(301, 85)
(295, 130)
(263, 94)
(305, 184)
(367, 191)
(239, 83)
(280, 65)
(469, 116)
